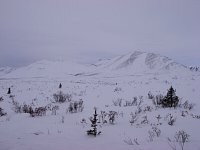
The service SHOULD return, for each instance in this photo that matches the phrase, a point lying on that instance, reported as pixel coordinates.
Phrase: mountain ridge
(131, 63)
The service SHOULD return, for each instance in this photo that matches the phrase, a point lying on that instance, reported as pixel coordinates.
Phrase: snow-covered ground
(99, 85)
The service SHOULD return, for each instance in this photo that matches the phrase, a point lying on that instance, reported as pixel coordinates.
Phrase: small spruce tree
(9, 91)
(93, 125)
(60, 86)
(170, 100)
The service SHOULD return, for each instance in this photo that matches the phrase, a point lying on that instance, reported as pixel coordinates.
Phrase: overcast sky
(86, 30)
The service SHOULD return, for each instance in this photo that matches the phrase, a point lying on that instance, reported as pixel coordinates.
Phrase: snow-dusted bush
(61, 97)
(62, 119)
(1, 99)
(26, 109)
(16, 106)
(148, 109)
(158, 119)
(2, 113)
(102, 117)
(156, 131)
(112, 116)
(184, 113)
(129, 141)
(40, 111)
(131, 102)
(195, 116)
(54, 110)
(171, 119)
(156, 100)
(151, 135)
(117, 89)
(145, 120)
(182, 137)
(76, 106)
(138, 110)
(150, 95)
(134, 118)
(140, 100)
(187, 105)
(118, 102)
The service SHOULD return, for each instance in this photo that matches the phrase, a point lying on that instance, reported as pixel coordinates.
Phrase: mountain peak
(138, 62)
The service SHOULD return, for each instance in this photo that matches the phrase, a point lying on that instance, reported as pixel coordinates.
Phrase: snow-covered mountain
(138, 62)
(129, 64)
(129, 86)
(47, 68)
(5, 70)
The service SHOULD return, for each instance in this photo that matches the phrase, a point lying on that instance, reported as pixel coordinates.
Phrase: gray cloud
(87, 30)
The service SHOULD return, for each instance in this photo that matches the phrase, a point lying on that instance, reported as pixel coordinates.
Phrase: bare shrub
(76, 106)
(148, 109)
(184, 113)
(182, 137)
(140, 100)
(187, 105)
(150, 95)
(145, 120)
(2, 113)
(158, 119)
(129, 141)
(171, 143)
(195, 116)
(133, 118)
(1, 99)
(102, 117)
(151, 135)
(61, 97)
(118, 102)
(54, 110)
(40, 111)
(117, 89)
(157, 100)
(17, 106)
(171, 120)
(156, 131)
(112, 116)
(62, 119)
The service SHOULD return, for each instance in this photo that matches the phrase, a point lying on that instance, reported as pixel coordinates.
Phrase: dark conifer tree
(9, 91)
(93, 125)
(60, 86)
(170, 100)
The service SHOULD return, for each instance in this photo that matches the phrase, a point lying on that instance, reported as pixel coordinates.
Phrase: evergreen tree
(93, 125)
(9, 91)
(170, 100)
(60, 86)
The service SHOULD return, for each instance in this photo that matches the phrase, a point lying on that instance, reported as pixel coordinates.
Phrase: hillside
(127, 87)
(45, 68)
(138, 63)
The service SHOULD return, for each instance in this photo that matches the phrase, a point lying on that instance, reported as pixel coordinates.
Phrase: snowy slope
(46, 68)
(138, 62)
(5, 70)
(125, 65)
(130, 76)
